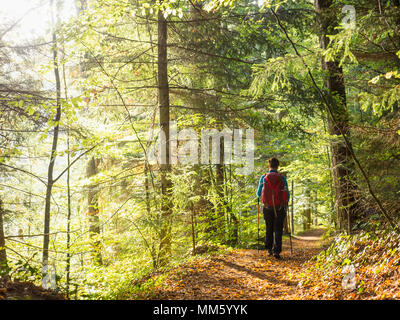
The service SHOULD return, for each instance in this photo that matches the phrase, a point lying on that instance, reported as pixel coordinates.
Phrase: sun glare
(33, 16)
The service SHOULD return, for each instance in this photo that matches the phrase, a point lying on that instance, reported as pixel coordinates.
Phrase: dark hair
(273, 163)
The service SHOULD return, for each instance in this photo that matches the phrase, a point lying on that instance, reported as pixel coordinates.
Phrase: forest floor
(241, 274)
(18, 290)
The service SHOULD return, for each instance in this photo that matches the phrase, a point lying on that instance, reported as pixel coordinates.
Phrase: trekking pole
(290, 232)
(258, 225)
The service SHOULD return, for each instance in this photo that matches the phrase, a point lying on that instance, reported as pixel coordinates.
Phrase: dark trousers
(274, 226)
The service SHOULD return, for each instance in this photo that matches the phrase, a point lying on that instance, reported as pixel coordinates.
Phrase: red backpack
(273, 192)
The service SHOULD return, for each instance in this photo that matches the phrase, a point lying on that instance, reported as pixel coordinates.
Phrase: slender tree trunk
(342, 164)
(193, 223)
(334, 214)
(68, 258)
(292, 215)
(46, 238)
(3, 254)
(219, 185)
(307, 209)
(147, 188)
(148, 209)
(315, 209)
(163, 101)
(68, 262)
(234, 234)
(93, 212)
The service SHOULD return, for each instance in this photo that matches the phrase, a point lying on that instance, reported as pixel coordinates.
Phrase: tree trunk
(219, 185)
(147, 188)
(193, 224)
(46, 237)
(3, 254)
(307, 208)
(315, 207)
(68, 261)
(333, 217)
(342, 164)
(93, 212)
(292, 215)
(68, 258)
(234, 227)
(165, 167)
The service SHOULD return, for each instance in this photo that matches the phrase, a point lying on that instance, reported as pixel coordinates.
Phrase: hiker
(273, 188)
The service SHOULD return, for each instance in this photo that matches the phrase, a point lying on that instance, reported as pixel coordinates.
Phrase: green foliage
(230, 66)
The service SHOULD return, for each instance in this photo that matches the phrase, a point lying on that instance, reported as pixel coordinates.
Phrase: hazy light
(34, 17)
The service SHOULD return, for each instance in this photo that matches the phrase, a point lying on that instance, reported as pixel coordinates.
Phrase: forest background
(85, 85)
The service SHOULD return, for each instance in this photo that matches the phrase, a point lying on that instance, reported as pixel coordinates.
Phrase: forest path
(242, 273)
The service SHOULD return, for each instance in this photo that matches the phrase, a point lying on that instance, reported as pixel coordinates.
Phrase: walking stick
(290, 232)
(258, 225)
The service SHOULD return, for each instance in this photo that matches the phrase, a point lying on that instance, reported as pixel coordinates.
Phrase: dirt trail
(242, 274)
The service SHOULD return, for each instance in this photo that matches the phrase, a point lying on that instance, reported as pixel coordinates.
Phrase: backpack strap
(282, 184)
(266, 184)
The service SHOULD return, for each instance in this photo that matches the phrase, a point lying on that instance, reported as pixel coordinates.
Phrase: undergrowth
(375, 257)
